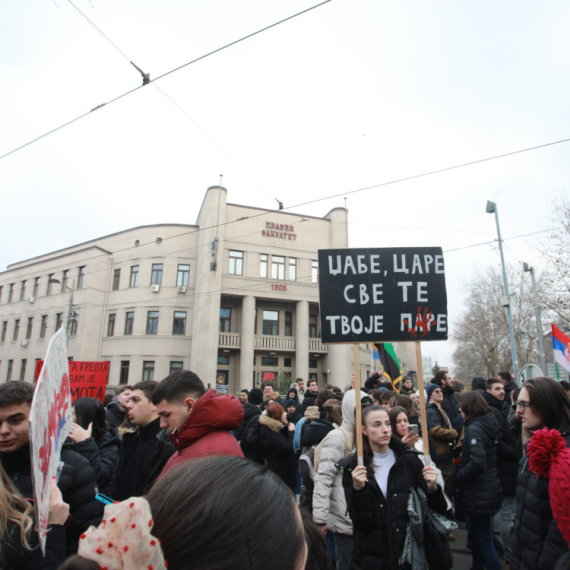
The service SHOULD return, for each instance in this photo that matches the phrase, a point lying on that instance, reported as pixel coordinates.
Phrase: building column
(302, 341)
(247, 342)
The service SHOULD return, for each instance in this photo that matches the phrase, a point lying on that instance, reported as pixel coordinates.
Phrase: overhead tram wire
(200, 58)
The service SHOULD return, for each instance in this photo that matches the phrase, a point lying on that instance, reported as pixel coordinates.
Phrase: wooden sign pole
(358, 417)
(423, 403)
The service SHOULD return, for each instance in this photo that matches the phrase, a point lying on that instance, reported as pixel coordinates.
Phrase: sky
(353, 94)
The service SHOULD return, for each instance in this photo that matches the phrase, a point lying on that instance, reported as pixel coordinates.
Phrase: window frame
(29, 328)
(16, 329)
(183, 275)
(134, 277)
(148, 371)
(177, 320)
(152, 322)
(292, 266)
(314, 271)
(129, 323)
(58, 321)
(43, 326)
(225, 328)
(278, 267)
(111, 324)
(272, 325)
(124, 376)
(116, 279)
(263, 265)
(235, 262)
(157, 270)
(80, 276)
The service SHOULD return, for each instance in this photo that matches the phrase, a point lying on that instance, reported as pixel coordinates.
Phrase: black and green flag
(390, 363)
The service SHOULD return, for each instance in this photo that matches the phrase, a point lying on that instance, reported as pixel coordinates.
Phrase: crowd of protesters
(172, 474)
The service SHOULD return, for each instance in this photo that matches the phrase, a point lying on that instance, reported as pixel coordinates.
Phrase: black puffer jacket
(103, 456)
(450, 404)
(380, 523)
(536, 542)
(478, 486)
(278, 449)
(508, 456)
(78, 485)
(314, 431)
(249, 411)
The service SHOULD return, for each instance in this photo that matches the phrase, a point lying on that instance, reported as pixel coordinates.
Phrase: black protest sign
(382, 294)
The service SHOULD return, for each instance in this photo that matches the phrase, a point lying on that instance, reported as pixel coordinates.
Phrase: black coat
(314, 431)
(103, 456)
(251, 443)
(115, 416)
(450, 404)
(478, 485)
(309, 399)
(77, 483)
(536, 542)
(249, 411)
(508, 455)
(379, 523)
(278, 449)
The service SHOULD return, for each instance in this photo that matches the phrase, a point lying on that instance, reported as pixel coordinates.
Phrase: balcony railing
(315, 345)
(232, 340)
(287, 343)
(275, 342)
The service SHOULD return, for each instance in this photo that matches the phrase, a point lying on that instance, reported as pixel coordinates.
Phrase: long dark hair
(212, 513)
(393, 415)
(367, 453)
(473, 406)
(91, 410)
(548, 398)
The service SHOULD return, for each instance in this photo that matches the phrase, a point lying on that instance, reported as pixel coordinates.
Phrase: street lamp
(492, 209)
(70, 309)
(529, 269)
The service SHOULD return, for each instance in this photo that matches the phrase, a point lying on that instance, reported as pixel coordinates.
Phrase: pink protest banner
(50, 423)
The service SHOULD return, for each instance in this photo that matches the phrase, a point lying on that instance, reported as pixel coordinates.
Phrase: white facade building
(233, 298)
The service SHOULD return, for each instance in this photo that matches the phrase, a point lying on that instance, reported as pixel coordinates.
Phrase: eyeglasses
(437, 392)
(523, 405)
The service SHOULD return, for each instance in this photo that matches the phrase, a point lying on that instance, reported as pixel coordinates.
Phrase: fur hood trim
(272, 424)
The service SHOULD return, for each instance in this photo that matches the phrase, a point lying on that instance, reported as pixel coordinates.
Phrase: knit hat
(255, 396)
(312, 412)
(478, 383)
(430, 389)
(290, 402)
(549, 456)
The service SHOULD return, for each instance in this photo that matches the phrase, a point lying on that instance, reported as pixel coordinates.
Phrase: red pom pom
(125, 548)
(131, 505)
(81, 536)
(543, 449)
(113, 519)
(150, 567)
(99, 550)
(153, 542)
(110, 545)
(133, 525)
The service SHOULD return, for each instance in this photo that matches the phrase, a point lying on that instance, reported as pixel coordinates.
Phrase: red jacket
(206, 431)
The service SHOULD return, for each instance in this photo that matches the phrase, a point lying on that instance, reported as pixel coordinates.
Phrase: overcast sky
(352, 94)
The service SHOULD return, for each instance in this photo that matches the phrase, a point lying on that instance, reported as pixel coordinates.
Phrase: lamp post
(529, 269)
(492, 209)
(70, 308)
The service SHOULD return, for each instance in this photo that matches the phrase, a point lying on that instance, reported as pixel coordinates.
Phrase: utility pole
(526, 267)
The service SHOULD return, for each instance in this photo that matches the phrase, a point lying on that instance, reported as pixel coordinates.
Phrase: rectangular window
(134, 282)
(111, 325)
(64, 279)
(117, 279)
(29, 328)
(10, 292)
(288, 323)
(80, 277)
(236, 263)
(129, 322)
(176, 365)
(124, 374)
(156, 275)
(43, 326)
(16, 329)
(287, 362)
(263, 265)
(277, 267)
(223, 360)
(292, 269)
(183, 276)
(49, 284)
(36, 287)
(269, 361)
(4, 330)
(255, 322)
(9, 373)
(152, 323)
(271, 322)
(148, 370)
(179, 323)
(58, 321)
(313, 376)
(23, 369)
(313, 363)
(312, 326)
(73, 327)
(225, 319)
(22, 291)
(314, 272)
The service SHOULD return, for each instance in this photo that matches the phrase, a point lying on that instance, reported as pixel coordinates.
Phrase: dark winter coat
(13, 556)
(478, 485)
(77, 483)
(310, 399)
(251, 450)
(450, 404)
(278, 449)
(510, 387)
(441, 431)
(294, 418)
(249, 411)
(314, 431)
(115, 415)
(508, 456)
(379, 523)
(536, 541)
(103, 456)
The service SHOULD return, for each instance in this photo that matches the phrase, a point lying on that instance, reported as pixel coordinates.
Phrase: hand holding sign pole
(383, 295)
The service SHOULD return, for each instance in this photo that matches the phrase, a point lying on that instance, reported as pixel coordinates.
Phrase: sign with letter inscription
(382, 295)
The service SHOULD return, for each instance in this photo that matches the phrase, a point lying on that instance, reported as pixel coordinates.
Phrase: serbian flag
(561, 347)
(390, 363)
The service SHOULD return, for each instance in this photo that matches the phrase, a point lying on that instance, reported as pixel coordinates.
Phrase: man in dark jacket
(537, 543)
(510, 386)
(450, 403)
(117, 409)
(508, 459)
(77, 482)
(143, 453)
(311, 395)
(251, 443)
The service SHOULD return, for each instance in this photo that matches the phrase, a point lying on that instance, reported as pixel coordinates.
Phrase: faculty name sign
(382, 295)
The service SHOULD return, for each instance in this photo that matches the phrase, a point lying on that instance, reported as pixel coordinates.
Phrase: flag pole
(358, 417)
(423, 414)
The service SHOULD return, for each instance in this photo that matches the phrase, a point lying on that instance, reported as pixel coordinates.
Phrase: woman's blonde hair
(14, 509)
